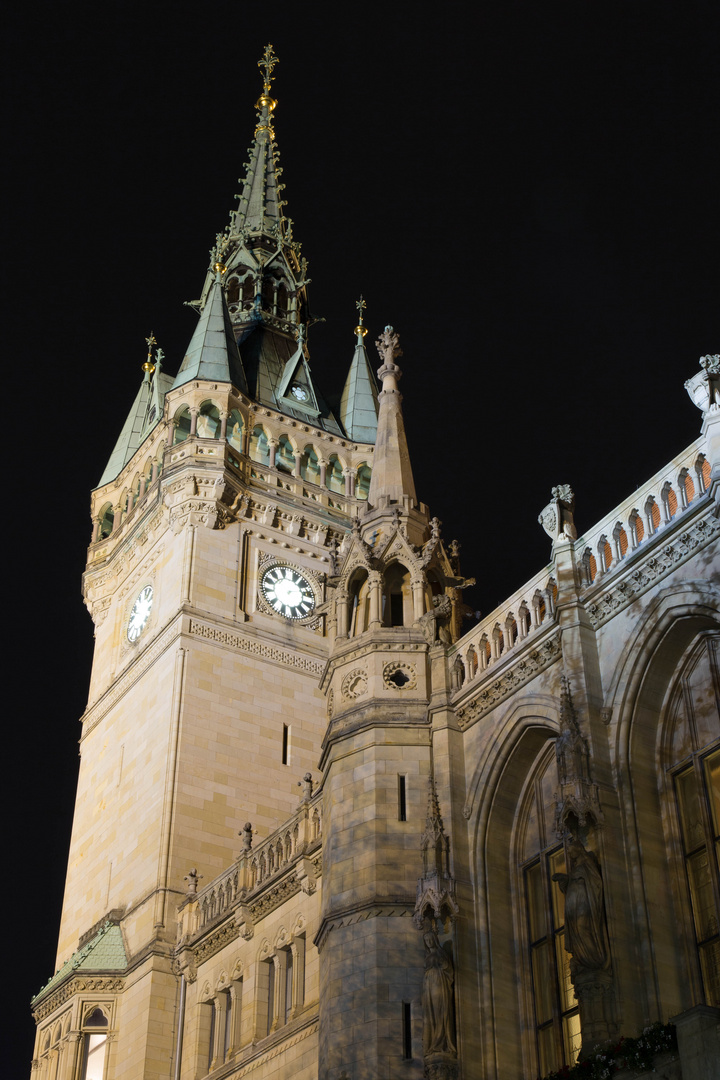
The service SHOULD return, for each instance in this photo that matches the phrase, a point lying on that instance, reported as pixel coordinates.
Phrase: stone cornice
(502, 679)
(379, 907)
(231, 638)
(615, 591)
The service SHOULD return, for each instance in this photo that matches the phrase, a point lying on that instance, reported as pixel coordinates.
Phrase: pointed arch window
(285, 455)
(235, 430)
(183, 422)
(557, 1019)
(95, 1044)
(695, 771)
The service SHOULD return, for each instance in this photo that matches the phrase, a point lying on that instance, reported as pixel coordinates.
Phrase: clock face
(140, 614)
(287, 592)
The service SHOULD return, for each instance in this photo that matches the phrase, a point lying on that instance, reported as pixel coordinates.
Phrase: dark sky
(528, 192)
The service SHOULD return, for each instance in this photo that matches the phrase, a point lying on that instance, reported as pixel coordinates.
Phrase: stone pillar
(223, 426)
(272, 446)
(374, 588)
(143, 487)
(95, 530)
(193, 420)
(154, 473)
(323, 471)
(418, 595)
(349, 475)
(698, 1036)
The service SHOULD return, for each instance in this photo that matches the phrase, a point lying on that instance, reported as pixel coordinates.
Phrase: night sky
(528, 192)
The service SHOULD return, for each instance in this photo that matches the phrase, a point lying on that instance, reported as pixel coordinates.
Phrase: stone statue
(434, 622)
(388, 345)
(585, 932)
(246, 834)
(192, 877)
(307, 787)
(437, 998)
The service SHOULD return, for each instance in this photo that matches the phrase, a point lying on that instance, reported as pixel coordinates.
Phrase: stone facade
(335, 837)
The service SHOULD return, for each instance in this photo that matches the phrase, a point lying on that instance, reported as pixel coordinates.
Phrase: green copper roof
(146, 412)
(213, 352)
(359, 401)
(104, 952)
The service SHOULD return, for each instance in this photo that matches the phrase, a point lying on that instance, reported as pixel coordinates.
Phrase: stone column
(272, 446)
(374, 588)
(193, 420)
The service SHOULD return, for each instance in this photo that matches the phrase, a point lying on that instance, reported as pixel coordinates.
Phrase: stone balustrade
(255, 869)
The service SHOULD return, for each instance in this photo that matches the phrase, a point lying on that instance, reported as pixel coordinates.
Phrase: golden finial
(148, 367)
(268, 62)
(360, 330)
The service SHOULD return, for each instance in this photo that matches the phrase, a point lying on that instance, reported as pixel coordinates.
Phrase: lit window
(557, 1020)
(95, 1046)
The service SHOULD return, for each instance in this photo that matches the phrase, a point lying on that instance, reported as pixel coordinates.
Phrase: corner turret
(359, 401)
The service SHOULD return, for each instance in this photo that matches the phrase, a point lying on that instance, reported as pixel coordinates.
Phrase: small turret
(359, 401)
(392, 478)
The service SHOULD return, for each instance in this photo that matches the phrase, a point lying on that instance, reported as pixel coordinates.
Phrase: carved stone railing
(254, 870)
(508, 629)
(652, 509)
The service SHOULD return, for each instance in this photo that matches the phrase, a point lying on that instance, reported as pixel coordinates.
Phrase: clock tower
(216, 524)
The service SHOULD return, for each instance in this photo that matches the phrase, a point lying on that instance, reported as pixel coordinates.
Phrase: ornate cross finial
(268, 62)
(360, 330)
(148, 367)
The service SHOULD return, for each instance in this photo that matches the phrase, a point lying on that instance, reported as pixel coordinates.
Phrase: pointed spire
(392, 477)
(145, 414)
(213, 352)
(359, 401)
(260, 205)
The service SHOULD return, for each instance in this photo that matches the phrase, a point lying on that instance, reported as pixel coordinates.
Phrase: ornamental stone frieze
(492, 689)
(602, 604)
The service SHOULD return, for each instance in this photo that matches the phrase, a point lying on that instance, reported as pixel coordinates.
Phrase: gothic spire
(260, 205)
(359, 401)
(392, 478)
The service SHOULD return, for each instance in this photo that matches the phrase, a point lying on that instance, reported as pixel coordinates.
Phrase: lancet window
(556, 1016)
(695, 770)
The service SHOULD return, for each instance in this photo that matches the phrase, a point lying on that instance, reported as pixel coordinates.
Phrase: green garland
(638, 1054)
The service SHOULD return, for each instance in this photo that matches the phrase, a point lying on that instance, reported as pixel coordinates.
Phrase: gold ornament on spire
(148, 367)
(360, 330)
(266, 104)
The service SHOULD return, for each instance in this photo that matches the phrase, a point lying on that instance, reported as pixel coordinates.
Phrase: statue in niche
(437, 997)
(434, 623)
(585, 932)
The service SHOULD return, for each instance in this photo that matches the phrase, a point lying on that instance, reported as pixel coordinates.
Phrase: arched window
(259, 449)
(107, 520)
(235, 430)
(310, 466)
(95, 1043)
(334, 478)
(233, 290)
(557, 1021)
(285, 455)
(182, 425)
(358, 603)
(637, 529)
(694, 752)
(472, 662)
(208, 422)
(397, 597)
(362, 483)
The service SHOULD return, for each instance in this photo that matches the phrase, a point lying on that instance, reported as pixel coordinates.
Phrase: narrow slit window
(286, 744)
(402, 800)
(406, 1031)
